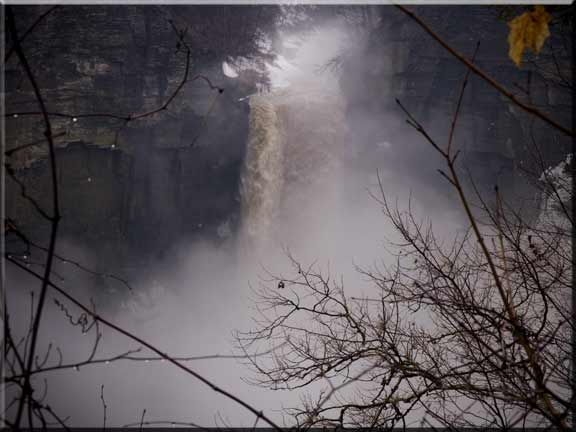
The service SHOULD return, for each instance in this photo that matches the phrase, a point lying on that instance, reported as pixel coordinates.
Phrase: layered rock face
(138, 188)
(132, 188)
(498, 141)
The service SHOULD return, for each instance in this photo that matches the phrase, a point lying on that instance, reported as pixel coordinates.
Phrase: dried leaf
(528, 30)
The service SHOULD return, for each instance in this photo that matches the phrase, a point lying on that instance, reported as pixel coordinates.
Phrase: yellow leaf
(528, 30)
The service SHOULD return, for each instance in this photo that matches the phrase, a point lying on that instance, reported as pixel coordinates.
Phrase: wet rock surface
(127, 188)
(400, 61)
(139, 188)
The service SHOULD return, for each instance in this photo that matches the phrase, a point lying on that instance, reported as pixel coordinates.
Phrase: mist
(308, 188)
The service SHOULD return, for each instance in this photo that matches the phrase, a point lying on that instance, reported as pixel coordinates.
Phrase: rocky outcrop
(400, 61)
(127, 188)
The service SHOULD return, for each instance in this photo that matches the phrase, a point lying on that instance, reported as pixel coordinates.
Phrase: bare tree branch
(528, 108)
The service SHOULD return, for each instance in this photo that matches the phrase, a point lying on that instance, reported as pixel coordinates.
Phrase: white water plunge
(290, 180)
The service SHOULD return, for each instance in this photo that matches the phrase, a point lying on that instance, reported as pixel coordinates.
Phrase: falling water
(290, 175)
(262, 175)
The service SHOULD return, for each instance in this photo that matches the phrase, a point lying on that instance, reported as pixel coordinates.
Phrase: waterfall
(262, 174)
(290, 180)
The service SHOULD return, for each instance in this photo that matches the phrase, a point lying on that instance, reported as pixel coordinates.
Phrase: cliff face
(497, 140)
(127, 188)
(138, 188)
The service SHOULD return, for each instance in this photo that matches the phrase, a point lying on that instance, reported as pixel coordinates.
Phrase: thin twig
(104, 406)
(460, 99)
(142, 419)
